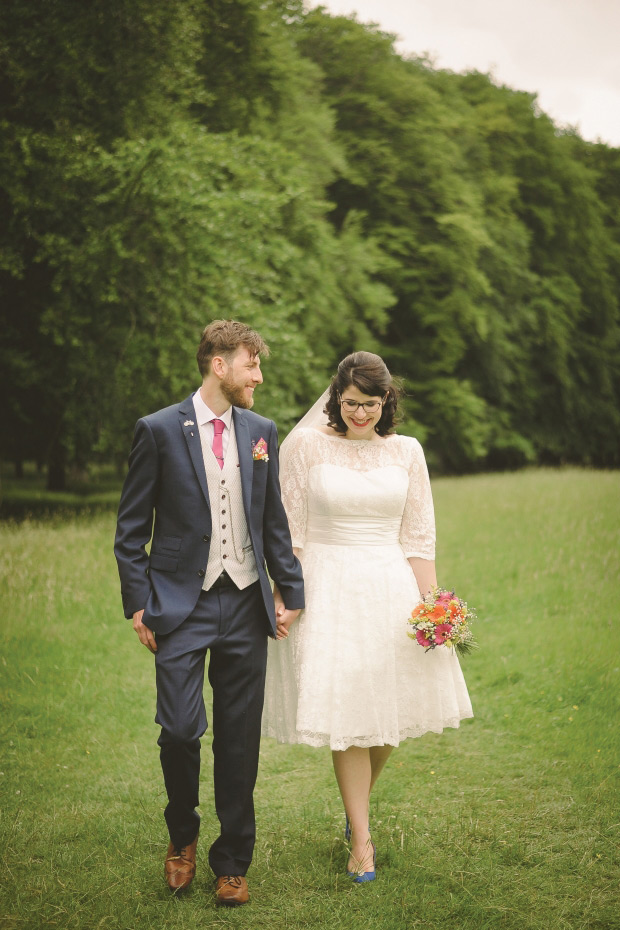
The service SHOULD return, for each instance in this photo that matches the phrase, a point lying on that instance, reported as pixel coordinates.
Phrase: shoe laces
(179, 853)
(234, 880)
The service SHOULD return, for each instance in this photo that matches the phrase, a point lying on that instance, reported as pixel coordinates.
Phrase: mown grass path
(511, 822)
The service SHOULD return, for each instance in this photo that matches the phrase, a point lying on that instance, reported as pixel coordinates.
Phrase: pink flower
(445, 598)
(442, 632)
(420, 635)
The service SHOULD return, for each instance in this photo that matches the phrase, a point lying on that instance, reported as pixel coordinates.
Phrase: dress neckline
(343, 439)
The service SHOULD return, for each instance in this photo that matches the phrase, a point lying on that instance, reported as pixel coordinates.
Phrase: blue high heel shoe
(359, 877)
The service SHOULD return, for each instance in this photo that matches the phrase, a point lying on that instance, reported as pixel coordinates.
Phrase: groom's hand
(145, 635)
(284, 622)
(284, 618)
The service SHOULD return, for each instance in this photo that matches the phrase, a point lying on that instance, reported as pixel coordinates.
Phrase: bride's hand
(284, 617)
(284, 621)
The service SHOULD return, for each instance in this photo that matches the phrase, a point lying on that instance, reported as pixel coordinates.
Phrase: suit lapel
(189, 428)
(244, 449)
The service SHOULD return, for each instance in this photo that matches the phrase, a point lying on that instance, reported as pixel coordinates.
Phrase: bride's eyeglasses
(370, 406)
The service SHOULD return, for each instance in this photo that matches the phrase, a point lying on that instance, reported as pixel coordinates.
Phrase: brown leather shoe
(180, 865)
(231, 890)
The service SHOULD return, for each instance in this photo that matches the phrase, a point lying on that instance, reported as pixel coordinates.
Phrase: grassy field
(511, 822)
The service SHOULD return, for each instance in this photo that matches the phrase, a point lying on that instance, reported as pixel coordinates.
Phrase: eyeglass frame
(381, 403)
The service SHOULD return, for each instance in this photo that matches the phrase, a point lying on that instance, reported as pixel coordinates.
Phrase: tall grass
(509, 822)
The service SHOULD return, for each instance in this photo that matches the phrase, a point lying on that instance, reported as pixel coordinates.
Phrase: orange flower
(437, 613)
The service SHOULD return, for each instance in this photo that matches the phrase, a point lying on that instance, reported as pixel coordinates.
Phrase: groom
(207, 471)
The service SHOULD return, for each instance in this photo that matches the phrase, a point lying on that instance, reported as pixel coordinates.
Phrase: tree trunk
(56, 467)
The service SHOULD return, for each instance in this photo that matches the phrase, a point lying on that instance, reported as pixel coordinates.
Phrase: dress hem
(318, 741)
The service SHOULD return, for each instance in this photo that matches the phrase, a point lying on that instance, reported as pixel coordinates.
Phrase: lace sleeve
(294, 484)
(417, 530)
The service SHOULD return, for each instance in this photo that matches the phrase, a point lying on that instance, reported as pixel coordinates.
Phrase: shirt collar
(205, 415)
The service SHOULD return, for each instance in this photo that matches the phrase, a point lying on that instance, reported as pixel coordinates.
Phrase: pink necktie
(218, 448)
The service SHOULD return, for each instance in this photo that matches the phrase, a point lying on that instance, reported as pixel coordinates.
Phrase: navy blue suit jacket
(167, 482)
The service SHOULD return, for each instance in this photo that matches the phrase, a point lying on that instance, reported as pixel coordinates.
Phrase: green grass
(510, 822)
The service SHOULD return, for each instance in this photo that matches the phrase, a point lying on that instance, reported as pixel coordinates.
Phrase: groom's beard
(234, 393)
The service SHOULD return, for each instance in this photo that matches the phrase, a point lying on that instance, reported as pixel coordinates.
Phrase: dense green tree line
(164, 164)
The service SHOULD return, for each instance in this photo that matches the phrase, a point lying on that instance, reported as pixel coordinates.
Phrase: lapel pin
(189, 423)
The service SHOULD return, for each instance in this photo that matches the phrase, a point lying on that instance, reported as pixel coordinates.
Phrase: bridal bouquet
(442, 619)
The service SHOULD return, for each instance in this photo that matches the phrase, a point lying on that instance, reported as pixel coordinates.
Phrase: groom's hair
(224, 338)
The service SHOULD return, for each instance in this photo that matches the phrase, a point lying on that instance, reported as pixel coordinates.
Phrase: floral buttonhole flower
(259, 451)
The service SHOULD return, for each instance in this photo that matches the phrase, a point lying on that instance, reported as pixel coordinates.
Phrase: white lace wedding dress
(348, 674)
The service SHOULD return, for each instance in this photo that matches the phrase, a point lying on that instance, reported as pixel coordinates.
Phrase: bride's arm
(425, 574)
(417, 532)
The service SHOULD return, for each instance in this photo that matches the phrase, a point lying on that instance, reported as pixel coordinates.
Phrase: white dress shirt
(205, 418)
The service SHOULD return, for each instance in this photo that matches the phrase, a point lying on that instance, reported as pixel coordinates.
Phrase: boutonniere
(188, 423)
(259, 451)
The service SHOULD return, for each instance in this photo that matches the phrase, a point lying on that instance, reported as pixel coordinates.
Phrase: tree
(164, 164)
(506, 319)
(72, 79)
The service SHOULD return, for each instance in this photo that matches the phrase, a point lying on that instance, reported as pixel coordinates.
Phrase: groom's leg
(237, 676)
(179, 664)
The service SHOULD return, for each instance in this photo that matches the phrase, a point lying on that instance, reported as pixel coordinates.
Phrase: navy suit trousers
(232, 625)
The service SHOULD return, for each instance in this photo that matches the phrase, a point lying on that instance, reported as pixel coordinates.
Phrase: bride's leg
(353, 774)
(378, 757)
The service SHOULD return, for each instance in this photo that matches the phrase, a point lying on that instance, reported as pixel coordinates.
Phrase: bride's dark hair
(369, 374)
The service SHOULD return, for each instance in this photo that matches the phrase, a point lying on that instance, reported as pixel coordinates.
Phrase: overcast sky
(566, 51)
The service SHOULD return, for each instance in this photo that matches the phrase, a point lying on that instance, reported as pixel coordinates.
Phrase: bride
(346, 675)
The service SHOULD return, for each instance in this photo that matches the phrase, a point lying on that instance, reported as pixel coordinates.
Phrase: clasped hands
(284, 619)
